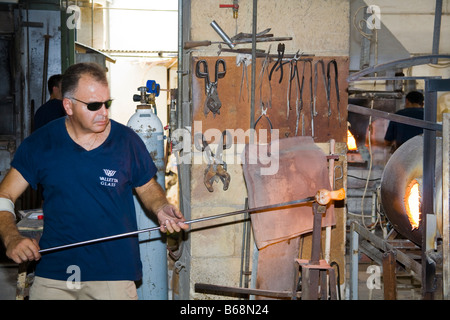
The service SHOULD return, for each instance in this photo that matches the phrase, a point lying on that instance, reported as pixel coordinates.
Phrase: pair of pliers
(217, 168)
(279, 63)
(212, 102)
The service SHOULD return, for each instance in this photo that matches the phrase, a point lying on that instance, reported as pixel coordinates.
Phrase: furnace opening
(412, 204)
(351, 141)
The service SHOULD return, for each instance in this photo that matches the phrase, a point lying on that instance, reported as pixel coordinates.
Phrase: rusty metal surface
(276, 266)
(235, 111)
(243, 292)
(315, 272)
(389, 276)
(302, 171)
(383, 246)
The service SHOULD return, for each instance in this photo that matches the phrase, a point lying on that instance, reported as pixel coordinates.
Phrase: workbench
(31, 225)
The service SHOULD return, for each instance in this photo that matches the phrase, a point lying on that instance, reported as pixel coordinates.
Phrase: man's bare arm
(18, 248)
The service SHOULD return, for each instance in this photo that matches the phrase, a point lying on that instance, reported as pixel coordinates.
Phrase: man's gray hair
(73, 74)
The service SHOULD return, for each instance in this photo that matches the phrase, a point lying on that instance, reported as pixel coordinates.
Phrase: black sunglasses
(94, 106)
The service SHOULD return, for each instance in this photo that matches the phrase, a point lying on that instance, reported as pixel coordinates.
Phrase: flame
(351, 142)
(412, 204)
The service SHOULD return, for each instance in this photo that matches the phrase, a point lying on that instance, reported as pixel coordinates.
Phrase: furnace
(401, 187)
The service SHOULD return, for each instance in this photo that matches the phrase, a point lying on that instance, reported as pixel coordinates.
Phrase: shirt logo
(109, 173)
(109, 181)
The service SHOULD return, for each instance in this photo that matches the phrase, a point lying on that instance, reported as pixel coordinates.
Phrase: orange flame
(351, 142)
(412, 204)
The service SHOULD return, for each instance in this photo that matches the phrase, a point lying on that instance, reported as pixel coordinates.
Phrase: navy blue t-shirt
(88, 195)
(49, 111)
(400, 132)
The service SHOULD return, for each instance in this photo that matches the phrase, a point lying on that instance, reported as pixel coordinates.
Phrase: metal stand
(383, 252)
(316, 272)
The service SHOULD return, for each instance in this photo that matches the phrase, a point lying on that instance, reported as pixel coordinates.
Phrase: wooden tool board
(235, 110)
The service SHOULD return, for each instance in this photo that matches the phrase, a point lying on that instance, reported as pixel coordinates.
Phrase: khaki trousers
(49, 289)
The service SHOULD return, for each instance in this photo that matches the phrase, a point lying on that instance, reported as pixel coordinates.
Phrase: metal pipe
(255, 255)
(253, 75)
(437, 29)
(223, 215)
(180, 64)
(396, 64)
(45, 68)
(212, 288)
(426, 124)
(222, 34)
(445, 206)
(428, 180)
(354, 252)
(331, 177)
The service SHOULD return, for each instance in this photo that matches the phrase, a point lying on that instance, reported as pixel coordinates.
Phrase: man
(53, 108)
(89, 166)
(399, 133)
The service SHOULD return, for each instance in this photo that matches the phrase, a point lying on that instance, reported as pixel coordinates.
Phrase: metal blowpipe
(322, 197)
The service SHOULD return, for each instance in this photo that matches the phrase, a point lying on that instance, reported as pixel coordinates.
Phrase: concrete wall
(319, 27)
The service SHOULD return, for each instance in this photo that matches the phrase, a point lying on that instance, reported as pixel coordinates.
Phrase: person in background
(89, 167)
(53, 108)
(398, 133)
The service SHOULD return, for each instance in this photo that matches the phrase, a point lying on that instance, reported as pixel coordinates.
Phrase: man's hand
(18, 248)
(21, 249)
(170, 219)
(154, 199)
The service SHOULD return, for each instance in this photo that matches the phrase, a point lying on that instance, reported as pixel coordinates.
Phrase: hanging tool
(336, 84)
(243, 36)
(239, 38)
(323, 197)
(202, 43)
(212, 102)
(292, 74)
(217, 168)
(279, 63)
(264, 69)
(264, 114)
(320, 63)
(299, 102)
(263, 39)
(311, 90)
(243, 60)
(247, 51)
